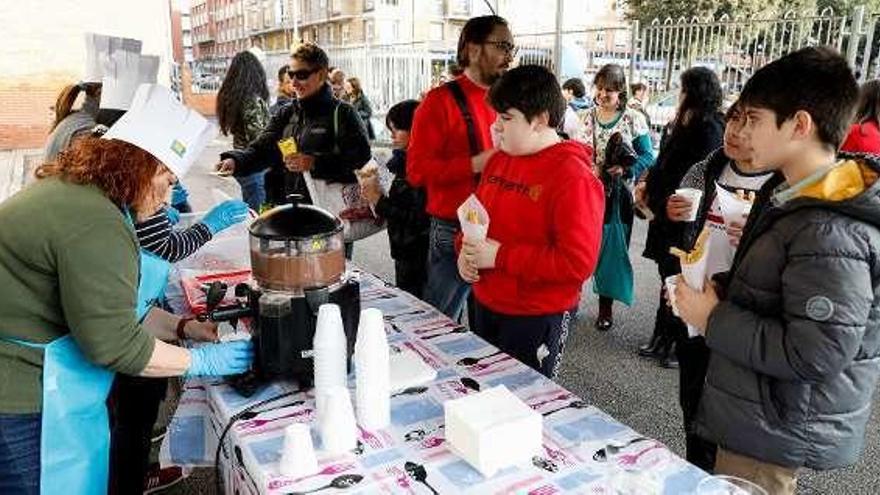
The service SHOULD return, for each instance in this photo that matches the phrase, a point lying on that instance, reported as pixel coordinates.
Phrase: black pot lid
(295, 222)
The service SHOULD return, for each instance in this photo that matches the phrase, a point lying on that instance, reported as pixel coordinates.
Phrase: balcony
(458, 9)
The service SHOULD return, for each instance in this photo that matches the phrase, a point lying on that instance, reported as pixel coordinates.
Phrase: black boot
(605, 320)
(651, 349)
(668, 356)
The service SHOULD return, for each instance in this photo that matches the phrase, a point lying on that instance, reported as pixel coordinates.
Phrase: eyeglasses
(505, 46)
(302, 74)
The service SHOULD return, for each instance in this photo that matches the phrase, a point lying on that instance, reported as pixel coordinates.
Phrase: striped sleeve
(156, 235)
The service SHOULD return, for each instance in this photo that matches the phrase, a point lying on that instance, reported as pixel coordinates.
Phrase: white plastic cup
(338, 427)
(671, 282)
(693, 196)
(728, 485)
(298, 458)
(372, 372)
(329, 354)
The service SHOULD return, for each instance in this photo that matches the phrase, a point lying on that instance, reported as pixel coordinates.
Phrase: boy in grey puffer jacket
(796, 341)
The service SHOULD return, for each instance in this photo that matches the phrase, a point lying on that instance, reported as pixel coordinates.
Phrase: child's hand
(370, 189)
(694, 307)
(482, 253)
(468, 272)
(678, 208)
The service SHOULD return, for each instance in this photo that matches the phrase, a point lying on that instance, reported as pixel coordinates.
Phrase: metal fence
(655, 53)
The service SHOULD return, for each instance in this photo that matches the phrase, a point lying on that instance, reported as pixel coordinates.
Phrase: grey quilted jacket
(796, 342)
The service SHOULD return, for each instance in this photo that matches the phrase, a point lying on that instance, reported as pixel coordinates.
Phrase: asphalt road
(602, 368)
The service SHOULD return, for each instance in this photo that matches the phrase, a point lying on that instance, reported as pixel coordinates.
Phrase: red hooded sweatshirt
(546, 210)
(439, 156)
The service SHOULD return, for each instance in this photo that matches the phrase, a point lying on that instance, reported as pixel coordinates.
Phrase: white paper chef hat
(124, 71)
(99, 48)
(162, 126)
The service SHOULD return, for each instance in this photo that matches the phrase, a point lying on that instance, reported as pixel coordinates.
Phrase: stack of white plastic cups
(337, 426)
(329, 354)
(372, 371)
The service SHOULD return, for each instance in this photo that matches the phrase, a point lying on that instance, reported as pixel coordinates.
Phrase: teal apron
(154, 278)
(75, 437)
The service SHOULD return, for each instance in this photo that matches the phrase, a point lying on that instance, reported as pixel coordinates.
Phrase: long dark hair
(244, 80)
(67, 96)
(476, 30)
(869, 103)
(702, 97)
(357, 91)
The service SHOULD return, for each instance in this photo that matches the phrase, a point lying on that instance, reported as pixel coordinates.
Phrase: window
(369, 5)
(368, 31)
(346, 34)
(460, 7)
(436, 31)
(437, 7)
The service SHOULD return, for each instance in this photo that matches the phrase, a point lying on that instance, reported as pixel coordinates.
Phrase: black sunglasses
(505, 46)
(302, 74)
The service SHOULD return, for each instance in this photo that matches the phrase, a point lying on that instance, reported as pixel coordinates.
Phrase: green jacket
(68, 263)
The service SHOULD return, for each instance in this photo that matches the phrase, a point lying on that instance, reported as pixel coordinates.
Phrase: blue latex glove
(179, 195)
(225, 215)
(173, 215)
(228, 358)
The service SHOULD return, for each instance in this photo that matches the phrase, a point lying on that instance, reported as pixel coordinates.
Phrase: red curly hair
(122, 170)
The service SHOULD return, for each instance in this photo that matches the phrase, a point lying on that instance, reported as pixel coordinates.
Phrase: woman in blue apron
(69, 279)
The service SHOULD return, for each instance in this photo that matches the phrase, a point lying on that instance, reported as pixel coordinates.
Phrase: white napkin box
(492, 430)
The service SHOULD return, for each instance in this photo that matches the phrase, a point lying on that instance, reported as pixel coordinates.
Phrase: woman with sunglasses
(331, 141)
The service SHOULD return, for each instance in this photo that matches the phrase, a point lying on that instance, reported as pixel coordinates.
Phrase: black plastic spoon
(420, 474)
(602, 454)
(575, 404)
(339, 482)
(411, 391)
(470, 383)
(470, 361)
(458, 329)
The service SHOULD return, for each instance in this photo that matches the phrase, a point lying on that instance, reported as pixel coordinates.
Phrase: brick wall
(43, 50)
(25, 114)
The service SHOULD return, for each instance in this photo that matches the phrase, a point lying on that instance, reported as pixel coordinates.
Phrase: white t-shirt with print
(721, 252)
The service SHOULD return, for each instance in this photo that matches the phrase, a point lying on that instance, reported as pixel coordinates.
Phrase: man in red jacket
(449, 145)
(545, 210)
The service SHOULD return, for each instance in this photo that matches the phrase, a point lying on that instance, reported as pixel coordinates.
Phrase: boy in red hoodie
(545, 211)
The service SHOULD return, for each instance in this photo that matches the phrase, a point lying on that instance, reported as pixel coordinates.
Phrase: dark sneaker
(160, 479)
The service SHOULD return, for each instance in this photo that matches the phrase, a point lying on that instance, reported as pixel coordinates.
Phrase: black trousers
(411, 274)
(693, 362)
(537, 341)
(666, 324)
(134, 406)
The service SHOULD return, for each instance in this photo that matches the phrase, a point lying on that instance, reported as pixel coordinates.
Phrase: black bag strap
(461, 101)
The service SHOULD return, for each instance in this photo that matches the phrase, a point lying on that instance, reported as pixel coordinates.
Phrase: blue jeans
(253, 189)
(20, 454)
(445, 290)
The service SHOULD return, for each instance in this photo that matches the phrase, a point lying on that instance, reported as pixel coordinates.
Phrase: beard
(491, 74)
